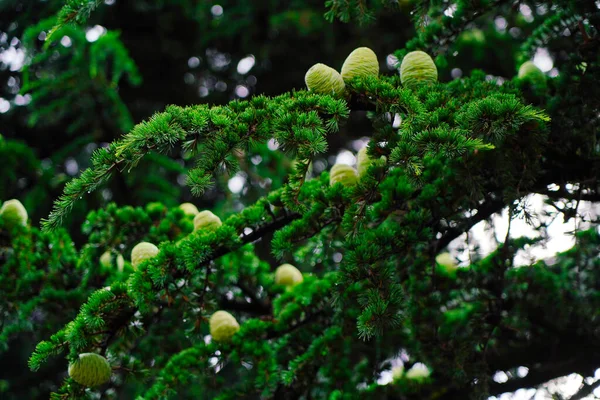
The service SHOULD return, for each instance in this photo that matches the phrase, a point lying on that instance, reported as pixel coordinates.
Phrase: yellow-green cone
(189, 209)
(344, 174)
(223, 326)
(417, 68)
(363, 161)
(361, 62)
(206, 220)
(325, 80)
(288, 275)
(418, 372)
(472, 37)
(141, 252)
(531, 73)
(13, 213)
(90, 370)
(446, 264)
(106, 260)
(397, 372)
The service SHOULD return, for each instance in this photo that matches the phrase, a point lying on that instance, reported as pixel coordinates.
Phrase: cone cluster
(321, 78)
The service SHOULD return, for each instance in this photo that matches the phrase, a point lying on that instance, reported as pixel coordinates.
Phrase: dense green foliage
(443, 157)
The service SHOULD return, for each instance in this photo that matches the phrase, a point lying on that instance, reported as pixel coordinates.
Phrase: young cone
(446, 264)
(13, 213)
(106, 260)
(288, 275)
(397, 372)
(325, 80)
(223, 326)
(529, 72)
(189, 209)
(361, 62)
(141, 252)
(344, 174)
(417, 68)
(418, 372)
(90, 370)
(206, 220)
(363, 161)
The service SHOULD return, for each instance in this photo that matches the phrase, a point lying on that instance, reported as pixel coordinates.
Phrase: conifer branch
(77, 11)
(368, 283)
(223, 130)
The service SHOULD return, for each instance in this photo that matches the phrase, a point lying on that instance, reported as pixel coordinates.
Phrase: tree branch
(257, 308)
(310, 318)
(585, 390)
(483, 212)
(559, 359)
(563, 194)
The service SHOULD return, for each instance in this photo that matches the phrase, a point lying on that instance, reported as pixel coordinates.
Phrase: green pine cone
(446, 265)
(472, 37)
(397, 372)
(325, 80)
(361, 62)
(531, 73)
(206, 220)
(141, 252)
(223, 326)
(90, 370)
(189, 209)
(13, 213)
(344, 174)
(419, 372)
(417, 68)
(106, 260)
(363, 161)
(288, 275)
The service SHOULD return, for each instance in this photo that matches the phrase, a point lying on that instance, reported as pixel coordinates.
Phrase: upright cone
(288, 275)
(361, 62)
(531, 73)
(363, 161)
(142, 252)
(344, 174)
(206, 220)
(106, 260)
(223, 326)
(90, 370)
(325, 80)
(446, 264)
(417, 68)
(189, 209)
(13, 213)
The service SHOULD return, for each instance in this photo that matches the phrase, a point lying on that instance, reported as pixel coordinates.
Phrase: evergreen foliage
(89, 72)
(207, 314)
